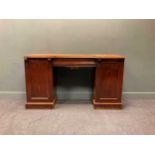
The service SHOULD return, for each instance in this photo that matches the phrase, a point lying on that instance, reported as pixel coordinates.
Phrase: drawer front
(74, 62)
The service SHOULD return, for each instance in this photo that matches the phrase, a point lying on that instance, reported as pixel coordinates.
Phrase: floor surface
(77, 117)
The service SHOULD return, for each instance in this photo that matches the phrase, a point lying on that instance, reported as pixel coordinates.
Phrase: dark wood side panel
(108, 83)
(39, 80)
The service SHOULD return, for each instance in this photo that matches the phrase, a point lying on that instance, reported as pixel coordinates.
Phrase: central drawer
(74, 62)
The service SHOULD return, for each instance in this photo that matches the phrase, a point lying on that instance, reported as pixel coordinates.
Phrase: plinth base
(106, 105)
(40, 105)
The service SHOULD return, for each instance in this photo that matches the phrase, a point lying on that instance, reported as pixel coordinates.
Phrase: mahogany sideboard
(39, 74)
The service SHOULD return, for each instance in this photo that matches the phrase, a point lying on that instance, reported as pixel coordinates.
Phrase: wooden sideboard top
(98, 56)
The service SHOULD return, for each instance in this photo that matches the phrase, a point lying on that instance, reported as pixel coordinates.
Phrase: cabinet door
(108, 83)
(39, 80)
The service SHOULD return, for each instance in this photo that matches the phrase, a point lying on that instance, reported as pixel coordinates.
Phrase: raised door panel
(108, 85)
(39, 80)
